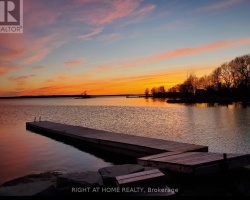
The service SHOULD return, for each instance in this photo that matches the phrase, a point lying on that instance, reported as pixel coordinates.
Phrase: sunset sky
(119, 46)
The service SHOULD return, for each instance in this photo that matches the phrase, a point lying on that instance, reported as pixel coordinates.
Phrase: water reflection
(223, 128)
(23, 152)
(233, 105)
(111, 101)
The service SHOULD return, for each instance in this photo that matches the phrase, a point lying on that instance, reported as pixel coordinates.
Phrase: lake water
(222, 128)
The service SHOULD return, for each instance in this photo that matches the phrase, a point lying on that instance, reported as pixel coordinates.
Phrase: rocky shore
(104, 182)
(101, 182)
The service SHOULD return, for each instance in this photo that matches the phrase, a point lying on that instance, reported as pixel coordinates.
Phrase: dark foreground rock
(45, 176)
(230, 183)
(36, 188)
(54, 183)
(84, 179)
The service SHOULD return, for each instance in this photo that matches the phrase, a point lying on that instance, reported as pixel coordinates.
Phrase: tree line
(230, 80)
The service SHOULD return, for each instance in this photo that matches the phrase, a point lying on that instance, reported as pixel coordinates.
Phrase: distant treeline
(231, 80)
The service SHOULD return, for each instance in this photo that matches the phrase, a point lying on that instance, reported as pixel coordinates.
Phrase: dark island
(84, 95)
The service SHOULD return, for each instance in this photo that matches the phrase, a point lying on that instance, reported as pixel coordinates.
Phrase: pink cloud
(219, 5)
(42, 15)
(74, 62)
(106, 67)
(21, 49)
(104, 12)
(88, 1)
(89, 36)
(6, 69)
(116, 9)
(12, 41)
(36, 56)
(12, 54)
(17, 51)
(187, 51)
(38, 48)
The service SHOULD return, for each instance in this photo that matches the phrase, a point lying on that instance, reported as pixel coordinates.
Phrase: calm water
(223, 129)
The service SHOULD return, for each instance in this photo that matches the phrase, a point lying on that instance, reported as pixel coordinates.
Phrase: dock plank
(151, 178)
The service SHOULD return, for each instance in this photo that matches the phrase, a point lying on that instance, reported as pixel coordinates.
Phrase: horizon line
(62, 95)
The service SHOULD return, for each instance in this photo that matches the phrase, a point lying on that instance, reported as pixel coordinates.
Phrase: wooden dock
(124, 144)
(174, 156)
(196, 163)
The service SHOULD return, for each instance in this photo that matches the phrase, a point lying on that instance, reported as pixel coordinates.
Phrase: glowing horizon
(119, 46)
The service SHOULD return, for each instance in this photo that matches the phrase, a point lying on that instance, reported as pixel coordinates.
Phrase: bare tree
(242, 66)
(216, 78)
(161, 89)
(174, 89)
(191, 83)
(204, 82)
(226, 74)
(153, 91)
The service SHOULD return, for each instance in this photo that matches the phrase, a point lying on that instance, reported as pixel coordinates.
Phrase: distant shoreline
(63, 96)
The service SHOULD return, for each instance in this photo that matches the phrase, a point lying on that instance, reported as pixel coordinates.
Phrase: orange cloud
(55, 89)
(84, 76)
(74, 62)
(20, 80)
(106, 67)
(37, 67)
(56, 79)
(137, 84)
(119, 85)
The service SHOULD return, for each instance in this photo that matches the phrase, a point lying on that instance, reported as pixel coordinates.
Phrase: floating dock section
(174, 156)
(124, 144)
(197, 163)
